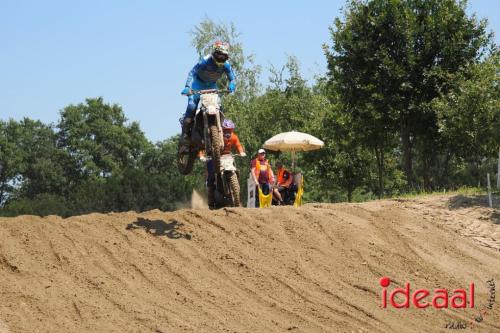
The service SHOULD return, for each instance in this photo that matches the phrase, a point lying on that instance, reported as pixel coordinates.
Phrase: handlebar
(208, 91)
(234, 155)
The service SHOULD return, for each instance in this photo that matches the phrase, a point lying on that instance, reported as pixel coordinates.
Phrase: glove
(243, 154)
(231, 87)
(185, 91)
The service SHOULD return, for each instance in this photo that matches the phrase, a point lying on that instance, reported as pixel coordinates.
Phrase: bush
(42, 205)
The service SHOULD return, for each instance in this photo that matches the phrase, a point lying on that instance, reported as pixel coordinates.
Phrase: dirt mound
(313, 269)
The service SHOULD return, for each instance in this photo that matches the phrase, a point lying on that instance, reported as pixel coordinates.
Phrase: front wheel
(216, 146)
(234, 185)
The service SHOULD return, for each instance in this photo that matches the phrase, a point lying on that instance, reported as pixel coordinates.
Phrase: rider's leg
(211, 184)
(210, 173)
(189, 114)
(193, 101)
(211, 197)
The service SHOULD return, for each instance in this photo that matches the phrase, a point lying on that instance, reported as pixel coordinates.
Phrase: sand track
(313, 269)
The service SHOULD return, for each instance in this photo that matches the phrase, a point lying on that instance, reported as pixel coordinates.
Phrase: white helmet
(220, 52)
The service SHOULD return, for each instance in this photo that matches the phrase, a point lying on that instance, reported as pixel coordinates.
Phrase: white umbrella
(293, 141)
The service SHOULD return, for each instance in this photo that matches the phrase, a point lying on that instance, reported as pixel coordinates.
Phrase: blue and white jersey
(208, 72)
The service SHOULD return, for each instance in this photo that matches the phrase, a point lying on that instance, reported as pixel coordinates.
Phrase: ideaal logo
(423, 298)
(440, 298)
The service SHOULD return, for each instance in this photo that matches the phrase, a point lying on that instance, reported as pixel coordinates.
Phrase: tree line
(410, 102)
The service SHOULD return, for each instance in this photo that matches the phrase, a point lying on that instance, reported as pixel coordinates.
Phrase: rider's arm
(191, 75)
(229, 71)
(193, 72)
(236, 142)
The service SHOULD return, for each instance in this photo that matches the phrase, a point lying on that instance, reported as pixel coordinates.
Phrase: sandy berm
(312, 269)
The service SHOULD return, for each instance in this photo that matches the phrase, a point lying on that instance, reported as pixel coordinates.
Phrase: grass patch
(462, 190)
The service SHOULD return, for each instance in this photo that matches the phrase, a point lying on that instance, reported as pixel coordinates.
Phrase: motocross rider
(205, 75)
(231, 141)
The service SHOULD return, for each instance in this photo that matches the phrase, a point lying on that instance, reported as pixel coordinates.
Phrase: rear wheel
(185, 158)
(234, 184)
(216, 146)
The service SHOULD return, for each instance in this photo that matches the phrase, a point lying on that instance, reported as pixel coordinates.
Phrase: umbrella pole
(293, 160)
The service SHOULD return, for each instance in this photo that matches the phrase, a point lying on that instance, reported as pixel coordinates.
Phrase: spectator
(262, 174)
(284, 184)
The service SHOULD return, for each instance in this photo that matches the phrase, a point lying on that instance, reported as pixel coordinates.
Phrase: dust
(198, 200)
(182, 205)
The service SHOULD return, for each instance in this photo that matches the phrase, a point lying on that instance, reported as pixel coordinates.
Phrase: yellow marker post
(300, 191)
(265, 200)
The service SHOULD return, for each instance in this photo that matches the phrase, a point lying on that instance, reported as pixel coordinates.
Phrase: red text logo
(422, 298)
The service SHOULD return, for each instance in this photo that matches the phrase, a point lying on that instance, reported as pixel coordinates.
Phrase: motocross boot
(186, 129)
(211, 197)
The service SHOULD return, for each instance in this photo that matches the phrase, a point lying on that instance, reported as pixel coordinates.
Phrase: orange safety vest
(281, 173)
(258, 169)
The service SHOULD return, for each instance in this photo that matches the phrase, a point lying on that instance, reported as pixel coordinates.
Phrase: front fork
(206, 137)
(221, 135)
(225, 175)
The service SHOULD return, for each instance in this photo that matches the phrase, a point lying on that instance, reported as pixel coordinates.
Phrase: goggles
(220, 57)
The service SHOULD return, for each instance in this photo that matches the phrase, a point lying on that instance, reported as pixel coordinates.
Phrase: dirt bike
(226, 192)
(206, 132)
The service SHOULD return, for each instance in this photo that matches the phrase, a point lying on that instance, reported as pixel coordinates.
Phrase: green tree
(40, 169)
(167, 187)
(95, 163)
(32, 176)
(99, 140)
(390, 59)
(11, 162)
(344, 163)
(469, 114)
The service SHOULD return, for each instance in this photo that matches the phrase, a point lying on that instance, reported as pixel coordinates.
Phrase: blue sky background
(138, 53)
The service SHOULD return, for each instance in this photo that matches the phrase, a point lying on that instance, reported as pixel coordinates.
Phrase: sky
(138, 53)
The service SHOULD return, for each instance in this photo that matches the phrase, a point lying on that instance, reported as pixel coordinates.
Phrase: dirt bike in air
(206, 132)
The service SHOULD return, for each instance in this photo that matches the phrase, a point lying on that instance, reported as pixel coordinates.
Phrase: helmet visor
(220, 57)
